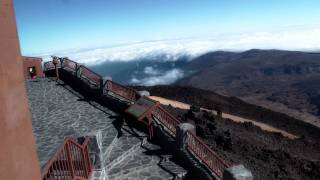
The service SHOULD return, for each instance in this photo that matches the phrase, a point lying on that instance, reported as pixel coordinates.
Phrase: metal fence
(166, 119)
(48, 66)
(94, 78)
(123, 91)
(69, 65)
(71, 161)
(200, 150)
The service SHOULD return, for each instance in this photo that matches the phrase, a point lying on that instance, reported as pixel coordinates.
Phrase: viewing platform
(59, 112)
(90, 127)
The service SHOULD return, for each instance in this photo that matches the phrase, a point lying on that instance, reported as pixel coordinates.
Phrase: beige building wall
(18, 157)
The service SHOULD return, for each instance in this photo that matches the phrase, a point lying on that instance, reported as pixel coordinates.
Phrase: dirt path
(234, 118)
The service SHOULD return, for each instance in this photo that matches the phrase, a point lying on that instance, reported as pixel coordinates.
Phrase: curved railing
(123, 91)
(200, 150)
(71, 161)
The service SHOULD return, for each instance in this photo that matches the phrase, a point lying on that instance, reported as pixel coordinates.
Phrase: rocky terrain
(284, 81)
(268, 155)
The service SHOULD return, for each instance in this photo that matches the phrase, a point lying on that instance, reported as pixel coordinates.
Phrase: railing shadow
(88, 99)
(118, 124)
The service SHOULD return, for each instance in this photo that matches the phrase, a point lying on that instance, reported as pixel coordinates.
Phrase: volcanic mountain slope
(268, 155)
(285, 81)
(232, 105)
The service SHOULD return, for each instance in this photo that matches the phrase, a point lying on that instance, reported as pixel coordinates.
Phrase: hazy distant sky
(54, 25)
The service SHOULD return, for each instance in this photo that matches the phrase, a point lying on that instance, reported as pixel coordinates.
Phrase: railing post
(61, 62)
(79, 70)
(69, 157)
(182, 135)
(85, 153)
(101, 86)
(105, 83)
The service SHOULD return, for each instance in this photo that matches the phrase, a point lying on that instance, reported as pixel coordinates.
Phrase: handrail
(90, 75)
(48, 65)
(212, 160)
(168, 120)
(71, 65)
(71, 161)
(121, 90)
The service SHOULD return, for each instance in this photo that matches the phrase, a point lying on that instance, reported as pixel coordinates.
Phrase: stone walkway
(59, 112)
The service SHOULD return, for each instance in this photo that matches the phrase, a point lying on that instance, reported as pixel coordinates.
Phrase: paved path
(59, 112)
(263, 126)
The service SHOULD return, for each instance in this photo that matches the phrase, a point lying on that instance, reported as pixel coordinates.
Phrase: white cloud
(149, 70)
(135, 81)
(291, 38)
(166, 78)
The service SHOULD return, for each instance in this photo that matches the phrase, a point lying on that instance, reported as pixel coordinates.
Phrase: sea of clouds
(290, 38)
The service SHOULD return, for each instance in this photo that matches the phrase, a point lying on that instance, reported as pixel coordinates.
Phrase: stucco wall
(18, 157)
(30, 62)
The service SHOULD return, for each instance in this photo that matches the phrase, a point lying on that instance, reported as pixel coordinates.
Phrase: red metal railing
(90, 75)
(49, 65)
(166, 119)
(69, 64)
(71, 161)
(122, 91)
(212, 160)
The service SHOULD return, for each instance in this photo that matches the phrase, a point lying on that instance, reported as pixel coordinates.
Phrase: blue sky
(59, 25)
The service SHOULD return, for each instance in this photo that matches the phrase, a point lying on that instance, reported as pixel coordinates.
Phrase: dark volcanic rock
(285, 81)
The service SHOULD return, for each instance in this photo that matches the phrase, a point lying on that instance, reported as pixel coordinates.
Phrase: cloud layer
(294, 38)
(291, 38)
(167, 77)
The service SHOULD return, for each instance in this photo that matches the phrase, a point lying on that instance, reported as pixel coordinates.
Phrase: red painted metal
(69, 64)
(90, 75)
(123, 91)
(71, 161)
(166, 119)
(212, 160)
(142, 111)
(49, 66)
